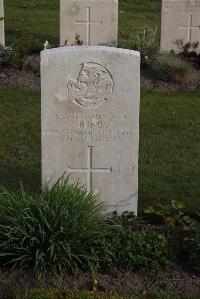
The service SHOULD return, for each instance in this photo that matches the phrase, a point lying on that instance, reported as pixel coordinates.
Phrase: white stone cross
(88, 23)
(189, 28)
(89, 170)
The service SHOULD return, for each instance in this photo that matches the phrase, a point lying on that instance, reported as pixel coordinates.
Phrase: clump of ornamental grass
(59, 230)
(170, 67)
(146, 42)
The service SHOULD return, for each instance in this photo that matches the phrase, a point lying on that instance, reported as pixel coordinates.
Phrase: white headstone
(180, 20)
(2, 34)
(96, 21)
(90, 121)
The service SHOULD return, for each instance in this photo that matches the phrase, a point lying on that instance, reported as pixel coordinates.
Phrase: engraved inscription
(88, 24)
(89, 127)
(89, 170)
(184, 4)
(93, 87)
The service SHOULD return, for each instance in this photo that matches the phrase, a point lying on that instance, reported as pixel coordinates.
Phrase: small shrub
(64, 230)
(169, 67)
(133, 250)
(57, 231)
(77, 41)
(189, 52)
(170, 213)
(182, 231)
(22, 47)
(192, 248)
(146, 42)
(5, 56)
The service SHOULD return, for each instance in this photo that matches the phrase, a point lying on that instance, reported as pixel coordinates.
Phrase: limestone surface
(180, 20)
(95, 21)
(90, 121)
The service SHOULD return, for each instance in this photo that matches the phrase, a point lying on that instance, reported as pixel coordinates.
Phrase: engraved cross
(89, 170)
(88, 23)
(189, 28)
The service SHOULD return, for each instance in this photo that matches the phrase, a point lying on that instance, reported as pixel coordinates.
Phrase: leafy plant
(171, 213)
(146, 42)
(182, 231)
(56, 231)
(139, 249)
(77, 41)
(193, 245)
(5, 55)
(22, 47)
(189, 52)
(169, 67)
(47, 45)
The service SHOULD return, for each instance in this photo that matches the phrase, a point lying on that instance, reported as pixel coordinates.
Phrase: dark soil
(148, 81)
(19, 78)
(174, 281)
(29, 76)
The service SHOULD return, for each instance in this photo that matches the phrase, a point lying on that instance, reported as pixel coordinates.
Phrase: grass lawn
(41, 18)
(169, 144)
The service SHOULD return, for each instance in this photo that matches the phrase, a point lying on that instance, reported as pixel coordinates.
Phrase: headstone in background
(90, 121)
(95, 21)
(180, 19)
(2, 34)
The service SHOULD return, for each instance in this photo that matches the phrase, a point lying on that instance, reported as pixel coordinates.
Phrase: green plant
(5, 54)
(171, 213)
(56, 231)
(47, 45)
(22, 47)
(194, 252)
(182, 231)
(169, 67)
(189, 52)
(136, 249)
(192, 247)
(77, 41)
(146, 42)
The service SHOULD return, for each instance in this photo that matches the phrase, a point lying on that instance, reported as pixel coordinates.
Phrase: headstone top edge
(89, 48)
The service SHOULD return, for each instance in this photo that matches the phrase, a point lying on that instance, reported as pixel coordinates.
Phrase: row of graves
(91, 98)
(96, 21)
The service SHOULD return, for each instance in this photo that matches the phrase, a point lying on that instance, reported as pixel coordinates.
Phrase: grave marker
(180, 21)
(2, 34)
(90, 121)
(95, 21)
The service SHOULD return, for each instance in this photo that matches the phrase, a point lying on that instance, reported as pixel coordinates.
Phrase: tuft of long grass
(56, 231)
(171, 67)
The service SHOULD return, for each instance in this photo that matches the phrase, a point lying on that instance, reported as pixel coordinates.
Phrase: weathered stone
(95, 21)
(2, 34)
(90, 121)
(180, 21)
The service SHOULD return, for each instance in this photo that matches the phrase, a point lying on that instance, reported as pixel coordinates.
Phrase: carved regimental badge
(93, 87)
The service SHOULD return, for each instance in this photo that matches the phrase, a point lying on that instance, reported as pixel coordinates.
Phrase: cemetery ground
(157, 255)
